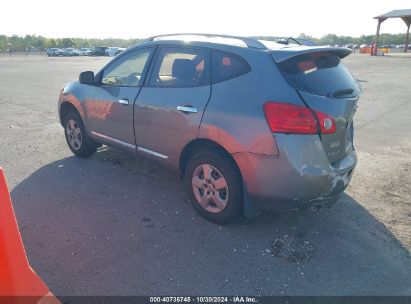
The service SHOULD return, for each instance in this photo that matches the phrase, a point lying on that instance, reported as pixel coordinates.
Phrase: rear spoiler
(286, 53)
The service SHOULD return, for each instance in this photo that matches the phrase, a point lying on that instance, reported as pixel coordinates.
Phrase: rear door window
(227, 66)
(320, 73)
(180, 67)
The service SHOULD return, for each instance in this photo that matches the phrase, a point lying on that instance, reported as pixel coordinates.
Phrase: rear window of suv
(227, 66)
(321, 74)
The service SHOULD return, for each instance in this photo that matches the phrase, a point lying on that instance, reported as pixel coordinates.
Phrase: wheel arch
(202, 144)
(65, 108)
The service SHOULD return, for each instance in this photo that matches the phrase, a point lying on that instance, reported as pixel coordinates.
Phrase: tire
(76, 136)
(219, 201)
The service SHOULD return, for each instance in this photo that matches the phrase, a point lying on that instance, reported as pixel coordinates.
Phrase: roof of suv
(228, 40)
(211, 38)
(284, 49)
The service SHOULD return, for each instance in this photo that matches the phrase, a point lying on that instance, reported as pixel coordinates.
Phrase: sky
(140, 19)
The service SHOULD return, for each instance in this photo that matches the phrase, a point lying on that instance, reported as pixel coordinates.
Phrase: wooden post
(377, 36)
(407, 21)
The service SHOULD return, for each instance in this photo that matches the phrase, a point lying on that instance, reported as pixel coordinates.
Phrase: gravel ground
(118, 225)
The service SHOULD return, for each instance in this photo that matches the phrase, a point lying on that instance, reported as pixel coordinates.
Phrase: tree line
(332, 39)
(21, 43)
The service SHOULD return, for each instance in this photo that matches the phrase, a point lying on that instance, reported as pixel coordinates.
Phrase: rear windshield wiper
(341, 93)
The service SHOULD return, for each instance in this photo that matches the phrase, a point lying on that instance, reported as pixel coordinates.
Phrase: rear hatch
(325, 85)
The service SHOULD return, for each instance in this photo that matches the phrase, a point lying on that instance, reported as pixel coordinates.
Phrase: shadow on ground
(118, 225)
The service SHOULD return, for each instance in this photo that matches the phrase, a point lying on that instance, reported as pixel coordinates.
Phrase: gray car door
(170, 107)
(109, 104)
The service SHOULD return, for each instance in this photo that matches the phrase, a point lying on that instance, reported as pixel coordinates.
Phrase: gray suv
(249, 124)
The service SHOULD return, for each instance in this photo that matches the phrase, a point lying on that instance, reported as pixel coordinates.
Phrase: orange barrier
(384, 50)
(367, 50)
(18, 282)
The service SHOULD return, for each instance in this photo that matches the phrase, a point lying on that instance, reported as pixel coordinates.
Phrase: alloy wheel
(210, 188)
(73, 133)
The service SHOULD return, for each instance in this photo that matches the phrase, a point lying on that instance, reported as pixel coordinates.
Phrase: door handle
(187, 109)
(124, 101)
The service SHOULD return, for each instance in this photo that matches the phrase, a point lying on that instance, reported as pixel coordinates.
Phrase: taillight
(293, 119)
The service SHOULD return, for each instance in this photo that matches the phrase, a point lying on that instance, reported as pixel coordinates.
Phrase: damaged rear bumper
(296, 178)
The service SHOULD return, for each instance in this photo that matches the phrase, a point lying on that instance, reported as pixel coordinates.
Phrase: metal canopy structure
(404, 14)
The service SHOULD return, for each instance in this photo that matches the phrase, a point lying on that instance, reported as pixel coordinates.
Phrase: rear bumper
(299, 176)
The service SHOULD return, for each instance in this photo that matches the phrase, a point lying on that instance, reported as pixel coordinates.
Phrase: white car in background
(114, 51)
(85, 52)
(70, 52)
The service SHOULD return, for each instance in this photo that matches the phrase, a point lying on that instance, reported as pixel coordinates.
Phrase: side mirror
(86, 77)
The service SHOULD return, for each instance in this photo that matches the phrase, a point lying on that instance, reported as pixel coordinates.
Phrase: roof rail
(249, 42)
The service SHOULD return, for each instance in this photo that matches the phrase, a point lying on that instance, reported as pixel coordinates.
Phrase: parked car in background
(113, 51)
(51, 52)
(70, 52)
(249, 124)
(110, 51)
(119, 50)
(84, 51)
(98, 51)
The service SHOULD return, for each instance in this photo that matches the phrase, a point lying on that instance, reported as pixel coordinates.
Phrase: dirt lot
(118, 225)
